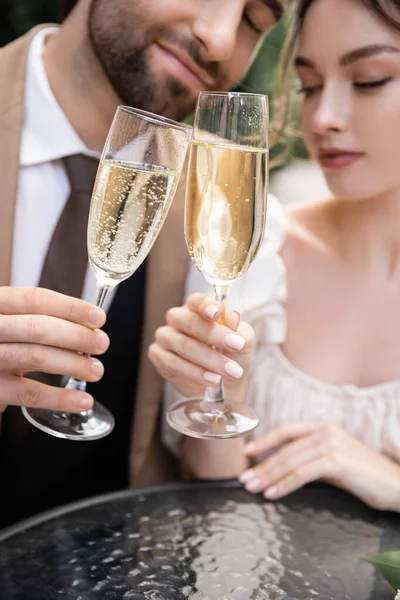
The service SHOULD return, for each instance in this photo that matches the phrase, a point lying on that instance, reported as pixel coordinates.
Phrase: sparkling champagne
(129, 205)
(225, 208)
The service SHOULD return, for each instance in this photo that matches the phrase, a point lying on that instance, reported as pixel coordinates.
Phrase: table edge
(65, 509)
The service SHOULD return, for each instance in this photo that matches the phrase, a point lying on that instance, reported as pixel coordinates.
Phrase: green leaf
(388, 563)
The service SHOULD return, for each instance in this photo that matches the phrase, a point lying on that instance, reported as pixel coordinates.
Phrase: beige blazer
(167, 266)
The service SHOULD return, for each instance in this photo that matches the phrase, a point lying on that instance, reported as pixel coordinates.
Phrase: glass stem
(214, 395)
(103, 294)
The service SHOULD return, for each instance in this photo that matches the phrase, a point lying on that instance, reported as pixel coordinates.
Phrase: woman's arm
(212, 459)
(185, 352)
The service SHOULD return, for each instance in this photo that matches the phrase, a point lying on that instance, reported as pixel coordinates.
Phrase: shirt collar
(47, 133)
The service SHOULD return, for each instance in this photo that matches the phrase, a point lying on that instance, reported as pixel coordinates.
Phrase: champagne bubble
(129, 206)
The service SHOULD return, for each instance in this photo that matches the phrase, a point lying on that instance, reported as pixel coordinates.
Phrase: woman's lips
(337, 159)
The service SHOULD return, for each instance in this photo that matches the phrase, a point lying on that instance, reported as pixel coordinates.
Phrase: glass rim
(154, 118)
(234, 94)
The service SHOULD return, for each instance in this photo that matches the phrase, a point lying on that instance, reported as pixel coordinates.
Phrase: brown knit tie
(66, 261)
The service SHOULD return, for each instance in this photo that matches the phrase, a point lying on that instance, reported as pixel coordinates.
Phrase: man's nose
(217, 26)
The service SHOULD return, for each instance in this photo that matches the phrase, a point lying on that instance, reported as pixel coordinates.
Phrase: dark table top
(199, 542)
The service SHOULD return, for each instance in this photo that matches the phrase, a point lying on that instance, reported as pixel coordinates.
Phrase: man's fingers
(25, 358)
(51, 331)
(39, 301)
(18, 391)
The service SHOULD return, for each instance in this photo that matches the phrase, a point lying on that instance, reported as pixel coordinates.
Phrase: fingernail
(246, 476)
(234, 341)
(212, 377)
(271, 493)
(101, 341)
(97, 368)
(234, 370)
(250, 448)
(96, 316)
(253, 486)
(86, 402)
(211, 311)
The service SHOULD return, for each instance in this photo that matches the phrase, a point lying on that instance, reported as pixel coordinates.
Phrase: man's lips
(184, 67)
(336, 158)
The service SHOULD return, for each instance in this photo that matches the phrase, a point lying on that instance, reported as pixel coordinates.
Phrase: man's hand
(41, 330)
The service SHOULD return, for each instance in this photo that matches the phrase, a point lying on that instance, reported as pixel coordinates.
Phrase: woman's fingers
(282, 463)
(307, 472)
(232, 319)
(280, 435)
(205, 306)
(174, 368)
(197, 353)
(196, 340)
(209, 309)
(211, 334)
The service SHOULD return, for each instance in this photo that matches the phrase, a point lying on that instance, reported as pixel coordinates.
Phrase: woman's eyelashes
(309, 90)
(369, 85)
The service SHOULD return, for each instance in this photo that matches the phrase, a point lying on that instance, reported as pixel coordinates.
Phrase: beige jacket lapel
(12, 111)
(166, 272)
(12, 88)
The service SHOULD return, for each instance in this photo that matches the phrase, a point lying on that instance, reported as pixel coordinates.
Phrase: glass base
(92, 425)
(199, 418)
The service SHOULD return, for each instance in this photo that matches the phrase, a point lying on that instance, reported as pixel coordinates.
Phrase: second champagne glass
(226, 204)
(136, 181)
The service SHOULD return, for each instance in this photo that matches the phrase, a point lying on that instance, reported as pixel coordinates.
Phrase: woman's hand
(306, 451)
(186, 350)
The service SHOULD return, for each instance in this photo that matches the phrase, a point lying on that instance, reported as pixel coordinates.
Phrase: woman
(323, 296)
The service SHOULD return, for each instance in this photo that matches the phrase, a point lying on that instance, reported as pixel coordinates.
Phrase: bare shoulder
(312, 239)
(314, 226)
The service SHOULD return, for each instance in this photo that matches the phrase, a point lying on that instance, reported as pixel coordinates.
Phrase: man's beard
(134, 82)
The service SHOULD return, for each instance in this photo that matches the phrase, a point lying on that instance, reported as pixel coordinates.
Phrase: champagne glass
(225, 213)
(136, 181)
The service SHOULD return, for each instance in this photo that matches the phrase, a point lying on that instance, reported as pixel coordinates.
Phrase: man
(59, 92)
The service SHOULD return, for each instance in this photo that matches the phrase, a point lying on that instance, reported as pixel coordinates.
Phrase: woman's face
(348, 63)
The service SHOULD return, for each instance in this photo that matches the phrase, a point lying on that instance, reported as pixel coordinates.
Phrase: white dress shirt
(43, 188)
